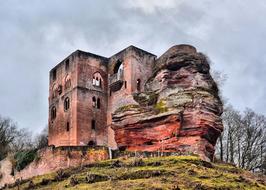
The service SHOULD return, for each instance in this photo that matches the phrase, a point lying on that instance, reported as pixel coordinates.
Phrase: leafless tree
(7, 135)
(41, 140)
(22, 141)
(243, 141)
(228, 140)
(254, 140)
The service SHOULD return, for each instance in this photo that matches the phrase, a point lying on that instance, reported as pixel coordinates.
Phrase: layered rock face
(179, 111)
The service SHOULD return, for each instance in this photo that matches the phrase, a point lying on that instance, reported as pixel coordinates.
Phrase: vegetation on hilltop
(173, 173)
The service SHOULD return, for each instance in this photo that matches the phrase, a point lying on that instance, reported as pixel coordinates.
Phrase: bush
(24, 158)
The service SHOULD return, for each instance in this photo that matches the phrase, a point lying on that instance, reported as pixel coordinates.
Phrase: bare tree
(12, 139)
(22, 141)
(228, 140)
(254, 139)
(243, 141)
(7, 135)
(41, 140)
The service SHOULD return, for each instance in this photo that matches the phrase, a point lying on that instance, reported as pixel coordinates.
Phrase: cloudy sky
(35, 35)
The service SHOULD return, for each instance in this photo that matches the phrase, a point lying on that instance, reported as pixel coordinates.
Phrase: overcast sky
(36, 35)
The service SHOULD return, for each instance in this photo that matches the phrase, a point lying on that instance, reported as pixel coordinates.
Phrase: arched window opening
(138, 84)
(97, 82)
(98, 103)
(97, 79)
(59, 89)
(53, 113)
(67, 126)
(94, 102)
(118, 66)
(91, 143)
(66, 103)
(67, 82)
(54, 91)
(93, 124)
(119, 70)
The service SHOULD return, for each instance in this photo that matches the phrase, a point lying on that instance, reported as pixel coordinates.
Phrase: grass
(172, 172)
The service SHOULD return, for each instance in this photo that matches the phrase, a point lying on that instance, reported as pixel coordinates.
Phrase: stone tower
(85, 89)
(78, 101)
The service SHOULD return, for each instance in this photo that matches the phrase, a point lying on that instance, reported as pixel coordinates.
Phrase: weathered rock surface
(179, 110)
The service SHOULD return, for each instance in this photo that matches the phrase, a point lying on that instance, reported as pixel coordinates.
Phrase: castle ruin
(135, 101)
(86, 88)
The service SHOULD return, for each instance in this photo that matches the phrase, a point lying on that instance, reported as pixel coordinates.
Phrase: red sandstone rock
(178, 111)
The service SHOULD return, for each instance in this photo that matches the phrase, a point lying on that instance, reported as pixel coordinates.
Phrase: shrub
(137, 163)
(93, 178)
(24, 158)
(61, 175)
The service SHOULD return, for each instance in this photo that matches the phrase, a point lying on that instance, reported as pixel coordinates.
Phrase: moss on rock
(127, 108)
(161, 107)
(146, 99)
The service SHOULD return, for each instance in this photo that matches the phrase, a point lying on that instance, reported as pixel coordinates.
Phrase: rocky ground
(173, 173)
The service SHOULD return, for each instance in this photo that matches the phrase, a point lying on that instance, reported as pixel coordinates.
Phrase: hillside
(173, 172)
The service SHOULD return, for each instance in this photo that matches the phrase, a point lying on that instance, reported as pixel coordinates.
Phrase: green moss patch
(127, 108)
(160, 107)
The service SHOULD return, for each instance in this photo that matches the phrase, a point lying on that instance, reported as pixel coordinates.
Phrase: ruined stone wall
(73, 126)
(137, 64)
(58, 91)
(87, 110)
(52, 159)
(142, 67)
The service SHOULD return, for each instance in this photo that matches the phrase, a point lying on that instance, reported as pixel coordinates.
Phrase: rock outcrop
(179, 111)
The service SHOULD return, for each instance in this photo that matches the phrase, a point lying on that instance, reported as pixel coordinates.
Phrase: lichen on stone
(146, 99)
(160, 107)
(127, 108)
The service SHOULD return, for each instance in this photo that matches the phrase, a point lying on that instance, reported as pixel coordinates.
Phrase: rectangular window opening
(67, 126)
(54, 74)
(93, 124)
(125, 84)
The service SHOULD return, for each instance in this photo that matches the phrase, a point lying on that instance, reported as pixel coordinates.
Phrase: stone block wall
(52, 159)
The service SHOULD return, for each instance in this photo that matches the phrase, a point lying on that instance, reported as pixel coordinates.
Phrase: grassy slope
(174, 172)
